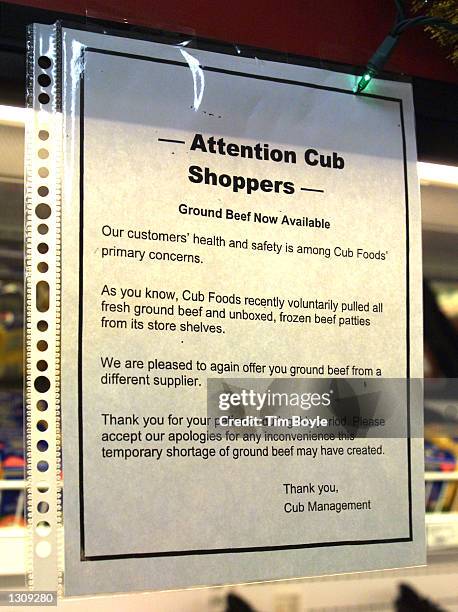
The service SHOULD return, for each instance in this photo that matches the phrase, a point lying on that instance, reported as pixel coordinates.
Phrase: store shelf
(11, 485)
(12, 551)
(441, 475)
(433, 518)
(442, 530)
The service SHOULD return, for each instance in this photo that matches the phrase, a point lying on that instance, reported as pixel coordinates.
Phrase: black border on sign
(218, 551)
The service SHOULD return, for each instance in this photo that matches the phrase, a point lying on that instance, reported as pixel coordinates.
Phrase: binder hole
(42, 266)
(43, 172)
(44, 80)
(43, 466)
(42, 325)
(42, 405)
(43, 549)
(42, 507)
(42, 365)
(43, 211)
(43, 98)
(43, 529)
(42, 296)
(42, 345)
(43, 191)
(43, 154)
(42, 446)
(42, 385)
(42, 425)
(43, 229)
(43, 134)
(42, 486)
(42, 247)
(44, 62)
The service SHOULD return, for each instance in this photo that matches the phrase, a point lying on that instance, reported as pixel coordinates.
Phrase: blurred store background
(11, 341)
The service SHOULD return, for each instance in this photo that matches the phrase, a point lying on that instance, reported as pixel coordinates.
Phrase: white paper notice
(246, 230)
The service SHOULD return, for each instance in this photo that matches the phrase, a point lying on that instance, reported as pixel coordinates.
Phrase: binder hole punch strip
(42, 274)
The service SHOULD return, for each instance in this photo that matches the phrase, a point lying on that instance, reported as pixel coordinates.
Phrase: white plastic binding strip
(42, 286)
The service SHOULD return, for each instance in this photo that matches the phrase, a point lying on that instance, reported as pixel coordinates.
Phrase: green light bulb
(363, 82)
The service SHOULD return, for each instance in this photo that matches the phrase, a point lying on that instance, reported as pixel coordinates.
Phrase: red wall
(345, 31)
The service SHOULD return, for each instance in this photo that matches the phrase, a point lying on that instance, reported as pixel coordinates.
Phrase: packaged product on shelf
(446, 496)
(438, 458)
(12, 500)
(434, 495)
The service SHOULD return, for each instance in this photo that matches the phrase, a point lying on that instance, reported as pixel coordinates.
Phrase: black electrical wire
(401, 24)
(401, 9)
